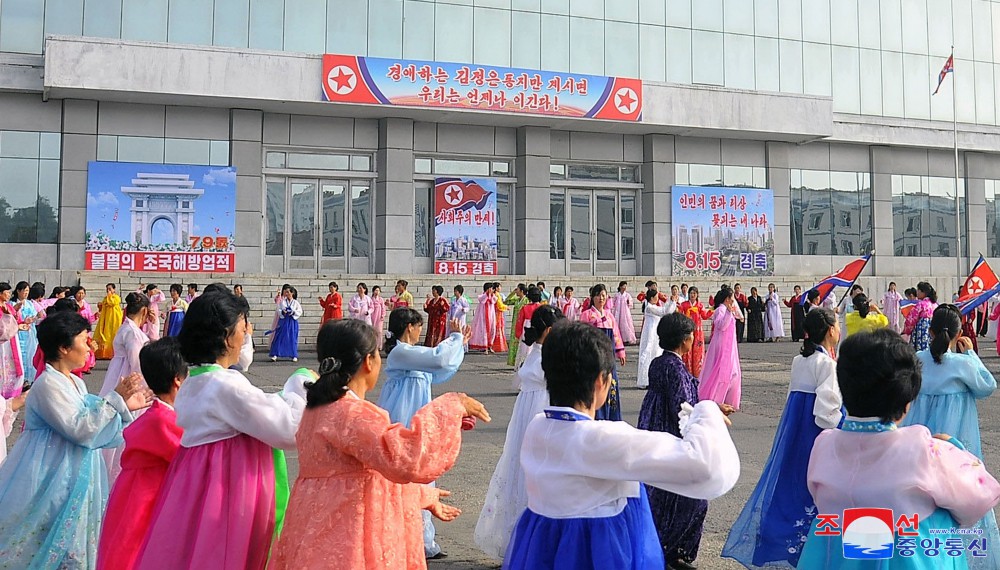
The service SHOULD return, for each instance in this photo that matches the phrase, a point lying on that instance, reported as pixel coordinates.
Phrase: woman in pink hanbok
(156, 297)
(80, 294)
(890, 307)
(360, 307)
(570, 305)
(484, 323)
(378, 314)
(721, 375)
(621, 306)
(217, 506)
(363, 478)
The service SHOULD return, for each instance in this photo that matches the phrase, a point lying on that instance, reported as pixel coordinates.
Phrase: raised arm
(441, 361)
(84, 419)
(958, 482)
(271, 418)
(826, 409)
(977, 377)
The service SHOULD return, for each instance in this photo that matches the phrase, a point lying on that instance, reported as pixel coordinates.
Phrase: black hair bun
(329, 365)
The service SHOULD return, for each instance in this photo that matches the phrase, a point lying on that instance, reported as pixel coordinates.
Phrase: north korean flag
(621, 100)
(981, 285)
(459, 195)
(843, 278)
(345, 80)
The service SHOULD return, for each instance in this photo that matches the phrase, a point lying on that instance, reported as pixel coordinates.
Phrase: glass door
(605, 233)
(303, 232)
(600, 232)
(581, 233)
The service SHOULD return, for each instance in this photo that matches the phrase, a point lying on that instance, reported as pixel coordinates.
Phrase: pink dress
(378, 317)
(217, 503)
(484, 324)
(721, 376)
(152, 329)
(622, 309)
(571, 308)
(356, 503)
(150, 444)
(88, 313)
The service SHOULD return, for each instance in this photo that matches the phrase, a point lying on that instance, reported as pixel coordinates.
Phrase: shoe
(295, 360)
(681, 565)
(274, 359)
(438, 556)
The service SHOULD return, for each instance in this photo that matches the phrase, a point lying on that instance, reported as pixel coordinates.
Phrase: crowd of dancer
(178, 461)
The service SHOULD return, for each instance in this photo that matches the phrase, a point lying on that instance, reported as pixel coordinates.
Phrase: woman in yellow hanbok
(110, 317)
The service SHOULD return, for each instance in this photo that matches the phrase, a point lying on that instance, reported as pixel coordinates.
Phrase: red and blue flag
(843, 278)
(949, 67)
(906, 305)
(459, 195)
(981, 285)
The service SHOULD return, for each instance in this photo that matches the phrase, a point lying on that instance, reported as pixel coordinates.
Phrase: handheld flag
(981, 285)
(843, 278)
(906, 305)
(949, 67)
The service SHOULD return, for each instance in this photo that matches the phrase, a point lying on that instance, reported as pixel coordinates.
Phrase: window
(163, 150)
(29, 187)
(594, 172)
(274, 208)
(846, 195)
(627, 227)
(717, 175)
(915, 199)
(557, 226)
(992, 218)
(138, 203)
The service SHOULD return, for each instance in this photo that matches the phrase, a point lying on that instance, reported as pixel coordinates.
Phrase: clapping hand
(455, 326)
(474, 408)
(134, 391)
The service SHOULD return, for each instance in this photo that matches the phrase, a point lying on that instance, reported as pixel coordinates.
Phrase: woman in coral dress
(360, 477)
(694, 310)
(110, 311)
(436, 307)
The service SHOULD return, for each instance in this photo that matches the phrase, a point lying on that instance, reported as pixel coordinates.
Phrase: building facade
(826, 102)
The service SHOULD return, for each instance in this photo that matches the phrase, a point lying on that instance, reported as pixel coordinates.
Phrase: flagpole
(954, 123)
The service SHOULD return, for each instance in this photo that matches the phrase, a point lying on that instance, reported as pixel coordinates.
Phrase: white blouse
(587, 468)
(220, 404)
(817, 374)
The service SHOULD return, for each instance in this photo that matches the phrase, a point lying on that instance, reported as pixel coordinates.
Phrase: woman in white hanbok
(649, 342)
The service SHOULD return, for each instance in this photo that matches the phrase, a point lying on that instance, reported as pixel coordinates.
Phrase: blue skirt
(612, 409)
(626, 541)
(285, 343)
(775, 522)
(174, 322)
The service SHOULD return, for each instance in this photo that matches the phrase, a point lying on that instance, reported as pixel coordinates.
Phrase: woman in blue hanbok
(285, 343)
(26, 297)
(870, 463)
(774, 524)
(953, 379)
(410, 370)
(54, 486)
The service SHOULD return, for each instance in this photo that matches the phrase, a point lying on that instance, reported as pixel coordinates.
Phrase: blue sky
(215, 209)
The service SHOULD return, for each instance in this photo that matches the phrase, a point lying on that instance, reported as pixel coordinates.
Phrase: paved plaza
(765, 380)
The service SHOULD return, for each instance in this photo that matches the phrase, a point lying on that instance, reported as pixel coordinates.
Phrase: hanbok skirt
(649, 349)
(827, 552)
(216, 506)
(920, 338)
(956, 415)
(174, 321)
(626, 541)
(29, 344)
(285, 340)
(774, 524)
(507, 497)
(612, 409)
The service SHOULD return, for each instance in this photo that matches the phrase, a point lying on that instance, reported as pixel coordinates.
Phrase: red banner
(161, 261)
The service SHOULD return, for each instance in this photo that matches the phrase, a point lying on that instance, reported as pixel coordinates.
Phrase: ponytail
(817, 324)
(399, 320)
(542, 319)
(861, 305)
(135, 302)
(342, 346)
(946, 324)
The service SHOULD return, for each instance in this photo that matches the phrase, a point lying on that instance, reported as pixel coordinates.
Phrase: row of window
(29, 187)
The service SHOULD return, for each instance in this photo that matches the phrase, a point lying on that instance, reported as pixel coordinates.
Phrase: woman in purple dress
(678, 519)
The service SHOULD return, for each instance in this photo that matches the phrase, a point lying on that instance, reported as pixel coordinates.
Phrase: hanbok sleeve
(7, 415)
(271, 418)
(154, 435)
(660, 310)
(419, 454)
(703, 464)
(84, 419)
(441, 361)
(296, 310)
(826, 409)
(978, 378)
(996, 313)
(958, 482)
(911, 319)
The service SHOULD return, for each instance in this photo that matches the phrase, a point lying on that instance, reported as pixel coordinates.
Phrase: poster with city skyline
(722, 231)
(465, 226)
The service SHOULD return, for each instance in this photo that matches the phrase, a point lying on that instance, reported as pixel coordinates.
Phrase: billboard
(160, 217)
(465, 226)
(412, 83)
(722, 231)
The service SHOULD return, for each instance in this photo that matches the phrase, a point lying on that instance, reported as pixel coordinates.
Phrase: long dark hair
(946, 324)
(720, 297)
(342, 347)
(928, 291)
(544, 317)
(399, 319)
(861, 305)
(818, 323)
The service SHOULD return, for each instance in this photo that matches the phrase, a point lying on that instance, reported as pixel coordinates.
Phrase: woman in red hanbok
(437, 308)
(694, 310)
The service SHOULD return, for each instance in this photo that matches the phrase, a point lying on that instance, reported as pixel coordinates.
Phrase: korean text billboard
(722, 231)
(465, 226)
(160, 217)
